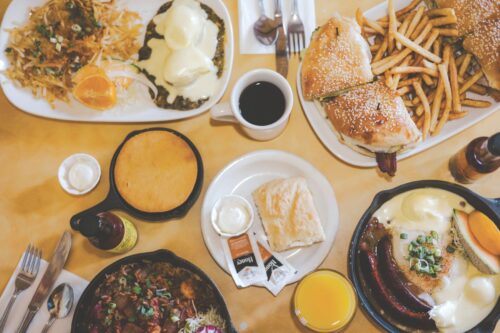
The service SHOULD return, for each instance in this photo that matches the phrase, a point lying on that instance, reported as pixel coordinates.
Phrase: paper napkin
(42, 316)
(249, 12)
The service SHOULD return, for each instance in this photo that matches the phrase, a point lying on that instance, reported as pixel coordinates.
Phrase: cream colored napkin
(248, 12)
(42, 316)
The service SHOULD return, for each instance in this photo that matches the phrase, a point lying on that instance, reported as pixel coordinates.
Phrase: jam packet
(243, 259)
(278, 269)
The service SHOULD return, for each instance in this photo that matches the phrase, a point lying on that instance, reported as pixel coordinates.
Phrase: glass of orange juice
(325, 301)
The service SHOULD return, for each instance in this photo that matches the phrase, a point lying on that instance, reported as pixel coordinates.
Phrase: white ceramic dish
(324, 131)
(64, 170)
(247, 173)
(215, 212)
(142, 109)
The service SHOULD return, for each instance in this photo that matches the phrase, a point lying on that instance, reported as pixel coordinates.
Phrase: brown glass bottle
(108, 231)
(480, 157)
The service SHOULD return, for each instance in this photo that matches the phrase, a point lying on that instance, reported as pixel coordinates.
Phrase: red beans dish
(154, 298)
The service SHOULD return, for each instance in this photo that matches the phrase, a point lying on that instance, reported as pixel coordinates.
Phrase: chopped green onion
(450, 249)
(403, 236)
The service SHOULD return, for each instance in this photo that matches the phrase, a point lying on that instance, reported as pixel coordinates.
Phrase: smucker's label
(242, 256)
(278, 270)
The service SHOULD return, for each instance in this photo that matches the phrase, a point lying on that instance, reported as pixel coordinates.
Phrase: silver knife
(49, 278)
(281, 44)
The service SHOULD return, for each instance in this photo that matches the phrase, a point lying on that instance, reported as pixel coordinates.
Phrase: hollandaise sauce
(325, 301)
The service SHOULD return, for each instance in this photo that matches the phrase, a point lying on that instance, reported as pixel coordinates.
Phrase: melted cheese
(182, 61)
(464, 296)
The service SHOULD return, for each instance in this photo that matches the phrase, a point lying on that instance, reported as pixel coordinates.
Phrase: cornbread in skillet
(288, 214)
(372, 118)
(484, 43)
(155, 171)
(338, 58)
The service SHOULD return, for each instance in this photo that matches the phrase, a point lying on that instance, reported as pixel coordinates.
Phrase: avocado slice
(484, 261)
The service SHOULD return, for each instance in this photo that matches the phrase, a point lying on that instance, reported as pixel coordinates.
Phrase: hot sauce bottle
(480, 157)
(108, 231)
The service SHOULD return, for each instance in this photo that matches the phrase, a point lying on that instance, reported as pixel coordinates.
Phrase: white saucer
(247, 173)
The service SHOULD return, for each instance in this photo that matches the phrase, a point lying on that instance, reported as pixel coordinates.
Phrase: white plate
(324, 130)
(141, 110)
(247, 173)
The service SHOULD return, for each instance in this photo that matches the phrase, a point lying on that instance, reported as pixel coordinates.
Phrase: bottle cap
(494, 144)
(89, 225)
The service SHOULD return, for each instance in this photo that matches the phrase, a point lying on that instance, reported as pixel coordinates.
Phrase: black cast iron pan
(490, 207)
(79, 323)
(115, 201)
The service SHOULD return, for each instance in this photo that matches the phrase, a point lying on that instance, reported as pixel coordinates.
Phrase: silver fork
(295, 31)
(27, 274)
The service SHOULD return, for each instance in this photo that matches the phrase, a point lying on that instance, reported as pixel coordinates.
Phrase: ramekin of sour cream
(232, 215)
(79, 174)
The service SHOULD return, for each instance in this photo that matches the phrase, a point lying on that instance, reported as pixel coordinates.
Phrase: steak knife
(49, 278)
(281, 44)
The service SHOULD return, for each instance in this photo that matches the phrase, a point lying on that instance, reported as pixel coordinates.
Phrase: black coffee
(262, 103)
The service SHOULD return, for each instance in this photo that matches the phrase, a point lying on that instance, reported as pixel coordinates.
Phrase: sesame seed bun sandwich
(484, 43)
(337, 59)
(372, 120)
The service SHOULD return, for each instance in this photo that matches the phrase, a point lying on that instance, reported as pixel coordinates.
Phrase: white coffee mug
(230, 111)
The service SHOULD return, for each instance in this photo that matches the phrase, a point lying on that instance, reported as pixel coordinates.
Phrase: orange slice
(96, 91)
(485, 231)
(86, 71)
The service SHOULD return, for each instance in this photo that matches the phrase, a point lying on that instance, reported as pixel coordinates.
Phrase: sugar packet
(243, 259)
(278, 269)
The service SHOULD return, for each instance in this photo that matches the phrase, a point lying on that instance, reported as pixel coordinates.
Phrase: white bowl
(66, 166)
(213, 215)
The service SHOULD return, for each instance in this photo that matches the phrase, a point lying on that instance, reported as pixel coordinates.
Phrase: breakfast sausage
(395, 282)
(369, 267)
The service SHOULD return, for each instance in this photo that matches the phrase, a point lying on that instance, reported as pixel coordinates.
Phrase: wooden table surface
(34, 208)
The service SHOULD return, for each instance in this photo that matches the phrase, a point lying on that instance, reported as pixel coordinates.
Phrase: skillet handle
(107, 204)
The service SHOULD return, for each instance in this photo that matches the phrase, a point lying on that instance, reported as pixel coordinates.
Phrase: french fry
(389, 62)
(420, 27)
(408, 82)
(441, 12)
(478, 89)
(456, 105)
(381, 50)
(408, 103)
(415, 21)
(470, 81)
(465, 64)
(458, 115)
(375, 47)
(476, 103)
(436, 47)
(428, 80)
(408, 8)
(397, 77)
(360, 19)
(436, 104)
(369, 31)
(388, 79)
(417, 48)
(443, 72)
(403, 28)
(448, 32)
(446, 54)
(429, 64)
(426, 107)
(459, 60)
(445, 20)
(413, 69)
(402, 91)
(427, 45)
(375, 26)
(392, 23)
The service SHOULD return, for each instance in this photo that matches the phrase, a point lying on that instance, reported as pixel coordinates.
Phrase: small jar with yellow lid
(325, 301)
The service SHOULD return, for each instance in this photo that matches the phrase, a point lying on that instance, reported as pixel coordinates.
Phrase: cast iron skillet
(84, 304)
(490, 207)
(115, 201)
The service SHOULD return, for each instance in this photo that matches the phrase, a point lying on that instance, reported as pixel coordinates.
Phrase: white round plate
(142, 109)
(246, 174)
(321, 125)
